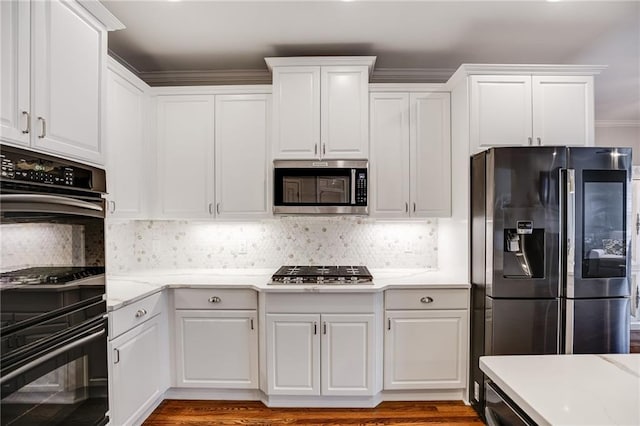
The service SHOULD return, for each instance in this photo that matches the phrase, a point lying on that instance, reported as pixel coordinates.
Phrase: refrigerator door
(597, 326)
(522, 326)
(598, 231)
(523, 221)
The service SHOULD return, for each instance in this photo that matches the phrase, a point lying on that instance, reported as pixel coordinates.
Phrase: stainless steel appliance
(53, 330)
(333, 275)
(550, 253)
(321, 187)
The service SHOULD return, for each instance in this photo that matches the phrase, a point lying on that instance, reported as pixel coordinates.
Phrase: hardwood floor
(635, 341)
(178, 412)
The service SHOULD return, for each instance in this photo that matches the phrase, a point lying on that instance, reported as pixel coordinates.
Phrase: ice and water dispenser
(523, 251)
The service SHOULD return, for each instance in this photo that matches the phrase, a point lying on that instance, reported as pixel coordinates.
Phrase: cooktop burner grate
(322, 275)
(54, 275)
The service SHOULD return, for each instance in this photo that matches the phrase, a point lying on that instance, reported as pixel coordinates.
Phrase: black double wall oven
(53, 330)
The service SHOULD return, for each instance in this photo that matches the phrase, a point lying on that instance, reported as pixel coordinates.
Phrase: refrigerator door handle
(567, 255)
(570, 236)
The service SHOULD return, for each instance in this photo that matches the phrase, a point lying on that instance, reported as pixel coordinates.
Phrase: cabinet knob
(141, 313)
(426, 299)
(215, 299)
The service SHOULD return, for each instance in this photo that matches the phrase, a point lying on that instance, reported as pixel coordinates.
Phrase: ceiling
(213, 42)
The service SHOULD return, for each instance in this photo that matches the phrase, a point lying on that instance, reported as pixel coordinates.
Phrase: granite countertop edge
(127, 288)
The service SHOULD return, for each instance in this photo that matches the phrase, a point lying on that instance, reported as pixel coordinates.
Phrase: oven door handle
(52, 354)
(49, 199)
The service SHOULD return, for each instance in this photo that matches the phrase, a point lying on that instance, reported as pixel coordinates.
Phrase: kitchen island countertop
(570, 389)
(123, 289)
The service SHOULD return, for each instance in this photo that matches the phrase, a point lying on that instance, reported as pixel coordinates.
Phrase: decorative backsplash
(270, 243)
(25, 245)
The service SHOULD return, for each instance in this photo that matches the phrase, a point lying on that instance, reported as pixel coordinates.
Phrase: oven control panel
(40, 171)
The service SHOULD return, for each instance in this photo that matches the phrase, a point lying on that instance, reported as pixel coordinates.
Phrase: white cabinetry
(241, 154)
(426, 339)
(185, 138)
(127, 162)
(320, 107)
(213, 150)
(138, 366)
(216, 341)
(410, 154)
(526, 109)
(59, 109)
(329, 353)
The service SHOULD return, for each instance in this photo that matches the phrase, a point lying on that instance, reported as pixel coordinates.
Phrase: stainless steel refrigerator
(550, 253)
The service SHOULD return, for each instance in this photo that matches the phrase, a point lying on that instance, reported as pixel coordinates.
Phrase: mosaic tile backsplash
(271, 243)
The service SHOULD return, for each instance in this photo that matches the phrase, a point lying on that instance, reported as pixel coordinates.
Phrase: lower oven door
(65, 384)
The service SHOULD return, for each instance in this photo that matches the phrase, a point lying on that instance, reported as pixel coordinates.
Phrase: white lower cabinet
(216, 349)
(425, 339)
(216, 338)
(138, 365)
(314, 354)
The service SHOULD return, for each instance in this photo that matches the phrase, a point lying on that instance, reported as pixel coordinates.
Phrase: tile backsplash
(271, 243)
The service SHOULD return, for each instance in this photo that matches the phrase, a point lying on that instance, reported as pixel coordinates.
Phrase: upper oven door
(328, 187)
(34, 206)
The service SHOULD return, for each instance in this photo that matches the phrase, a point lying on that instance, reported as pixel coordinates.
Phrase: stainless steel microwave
(320, 186)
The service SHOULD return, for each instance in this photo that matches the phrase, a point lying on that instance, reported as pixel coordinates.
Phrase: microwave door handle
(50, 199)
(353, 187)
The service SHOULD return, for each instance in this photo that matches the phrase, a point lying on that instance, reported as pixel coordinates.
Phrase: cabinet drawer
(426, 299)
(128, 317)
(211, 298)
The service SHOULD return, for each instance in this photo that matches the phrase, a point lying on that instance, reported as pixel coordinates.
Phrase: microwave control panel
(361, 187)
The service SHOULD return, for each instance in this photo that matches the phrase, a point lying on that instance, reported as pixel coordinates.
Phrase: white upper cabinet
(410, 154)
(241, 154)
(53, 78)
(15, 111)
(127, 153)
(532, 110)
(320, 107)
(185, 137)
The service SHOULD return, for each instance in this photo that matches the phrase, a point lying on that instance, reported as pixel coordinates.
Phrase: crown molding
(411, 75)
(617, 123)
(102, 14)
(210, 77)
(306, 61)
(226, 89)
(406, 87)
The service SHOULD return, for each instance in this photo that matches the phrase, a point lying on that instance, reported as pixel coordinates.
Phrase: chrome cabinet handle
(406, 207)
(389, 324)
(113, 206)
(324, 327)
(218, 208)
(315, 328)
(530, 141)
(414, 206)
(44, 128)
(116, 355)
(315, 149)
(637, 223)
(426, 299)
(210, 208)
(141, 313)
(324, 148)
(28, 128)
(215, 299)
(252, 323)
(539, 141)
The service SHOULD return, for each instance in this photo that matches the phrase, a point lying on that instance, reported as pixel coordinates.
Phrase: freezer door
(597, 326)
(522, 326)
(523, 221)
(599, 236)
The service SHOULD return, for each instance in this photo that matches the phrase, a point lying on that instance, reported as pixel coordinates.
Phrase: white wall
(619, 134)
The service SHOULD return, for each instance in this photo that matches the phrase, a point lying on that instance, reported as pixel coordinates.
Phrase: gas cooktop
(322, 275)
(48, 276)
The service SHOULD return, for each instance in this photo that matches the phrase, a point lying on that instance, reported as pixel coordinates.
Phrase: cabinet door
(216, 349)
(241, 156)
(425, 349)
(500, 111)
(14, 73)
(389, 169)
(293, 354)
(135, 372)
(430, 155)
(296, 112)
(69, 54)
(185, 140)
(347, 354)
(563, 110)
(344, 111)
(126, 158)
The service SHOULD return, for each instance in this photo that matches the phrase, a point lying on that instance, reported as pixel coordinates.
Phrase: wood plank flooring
(178, 412)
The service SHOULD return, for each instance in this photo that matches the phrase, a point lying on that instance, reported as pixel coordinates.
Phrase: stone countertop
(570, 389)
(123, 289)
